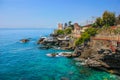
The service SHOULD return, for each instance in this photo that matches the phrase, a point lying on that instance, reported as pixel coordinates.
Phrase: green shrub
(59, 32)
(68, 31)
(86, 36)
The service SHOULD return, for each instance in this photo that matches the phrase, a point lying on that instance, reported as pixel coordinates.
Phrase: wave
(22, 49)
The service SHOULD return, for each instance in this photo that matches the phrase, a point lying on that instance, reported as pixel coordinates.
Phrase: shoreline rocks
(87, 55)
(64, 54)
(44, 47)
(104, 60)
(40, 41)
(52, 55)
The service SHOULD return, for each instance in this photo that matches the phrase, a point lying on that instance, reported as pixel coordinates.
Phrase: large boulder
(40, 40)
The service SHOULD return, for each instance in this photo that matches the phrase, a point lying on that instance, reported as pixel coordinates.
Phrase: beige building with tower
(60, 26)
(77, 30)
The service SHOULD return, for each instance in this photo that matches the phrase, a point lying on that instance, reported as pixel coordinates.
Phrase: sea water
(25, 61)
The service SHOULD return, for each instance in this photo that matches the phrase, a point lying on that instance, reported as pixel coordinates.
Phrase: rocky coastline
(86, 54)
(93, 47)
(108, 62)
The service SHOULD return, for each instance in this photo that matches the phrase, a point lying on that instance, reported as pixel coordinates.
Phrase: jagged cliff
(103, 51)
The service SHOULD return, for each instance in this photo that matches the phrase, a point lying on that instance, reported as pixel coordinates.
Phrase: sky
(48, 13)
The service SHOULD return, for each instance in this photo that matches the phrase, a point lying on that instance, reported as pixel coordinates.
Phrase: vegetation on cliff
(101, 24)
(118, 19)
(59, 32)
(68, 30)
(86, 36)
(65, 31)
(107, 19)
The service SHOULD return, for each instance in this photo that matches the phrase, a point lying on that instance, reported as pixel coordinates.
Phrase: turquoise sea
(20, 61)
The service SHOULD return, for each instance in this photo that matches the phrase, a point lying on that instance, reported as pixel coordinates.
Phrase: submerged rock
(53, 55)
(44, 47)
(24, 40)
(79, 59)
(64, 54)
(64, 78)
(69, 54)
(80, 63)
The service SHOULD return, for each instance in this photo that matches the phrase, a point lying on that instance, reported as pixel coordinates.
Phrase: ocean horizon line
(29, 28)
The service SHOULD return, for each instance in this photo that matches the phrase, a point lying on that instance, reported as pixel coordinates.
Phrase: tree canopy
(68, 30)
(65, 31)
(59, 32)
(118, 19)
(69, 23)
(99, 22)
(107, 19)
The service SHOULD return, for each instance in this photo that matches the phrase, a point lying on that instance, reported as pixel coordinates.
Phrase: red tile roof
(113, 27)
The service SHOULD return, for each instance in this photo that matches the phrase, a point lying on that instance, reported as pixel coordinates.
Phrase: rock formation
(24, 40)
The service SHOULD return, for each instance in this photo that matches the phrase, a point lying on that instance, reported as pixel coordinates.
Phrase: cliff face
(102, 57)
(112, 60)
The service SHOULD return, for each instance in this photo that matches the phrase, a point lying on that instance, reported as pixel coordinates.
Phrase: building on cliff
(85, 27)
(77, 30)
(60, 26)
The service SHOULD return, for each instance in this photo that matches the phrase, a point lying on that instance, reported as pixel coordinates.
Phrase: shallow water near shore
(20, 61)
